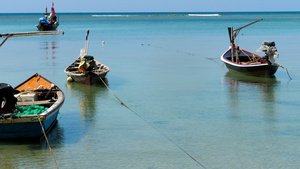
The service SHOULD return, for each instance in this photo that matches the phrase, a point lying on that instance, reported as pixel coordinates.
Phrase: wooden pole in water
(4, 41)
(31, 33)
(8, 35)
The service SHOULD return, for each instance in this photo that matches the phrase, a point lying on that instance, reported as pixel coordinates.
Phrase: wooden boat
(89, 77)
(246, 62)
(85, 69)
(49, 22)
(40, 98)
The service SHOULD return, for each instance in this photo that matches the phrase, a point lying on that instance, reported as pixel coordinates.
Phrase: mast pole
(233, 34)
(232, 45)
(238, 29)
(87, 41)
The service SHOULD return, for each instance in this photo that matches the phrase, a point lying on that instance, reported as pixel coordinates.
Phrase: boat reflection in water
(50, 48)
(247, 93)
(87, 97)
(23, 150)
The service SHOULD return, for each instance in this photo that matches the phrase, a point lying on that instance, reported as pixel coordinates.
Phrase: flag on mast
(53, 11)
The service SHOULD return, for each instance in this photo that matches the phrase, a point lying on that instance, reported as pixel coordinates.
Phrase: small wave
(108, 15)
(154, 15)
(201, 15)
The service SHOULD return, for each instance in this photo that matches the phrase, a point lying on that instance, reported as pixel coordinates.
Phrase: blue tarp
(43, 20)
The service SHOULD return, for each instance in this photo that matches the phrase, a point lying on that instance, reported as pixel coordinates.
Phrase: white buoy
(69, 79)
(103, 42)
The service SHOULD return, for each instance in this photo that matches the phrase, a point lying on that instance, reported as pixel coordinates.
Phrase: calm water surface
(167, 70)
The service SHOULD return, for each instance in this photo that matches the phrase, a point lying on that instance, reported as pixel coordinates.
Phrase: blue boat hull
(27, 130)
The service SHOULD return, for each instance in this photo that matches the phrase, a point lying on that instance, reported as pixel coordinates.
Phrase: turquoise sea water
(188, 111)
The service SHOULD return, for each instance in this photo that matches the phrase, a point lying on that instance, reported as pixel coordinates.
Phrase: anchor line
(178, 51)
(47, 142)
(155, 128)
(287, 70)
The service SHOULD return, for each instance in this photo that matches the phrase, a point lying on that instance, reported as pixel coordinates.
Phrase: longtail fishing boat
(30, 109)
(49, 22)
(85, 69)
(240, 60)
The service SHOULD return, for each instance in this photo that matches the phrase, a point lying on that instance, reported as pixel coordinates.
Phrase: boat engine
(7, 98)
(270, 50)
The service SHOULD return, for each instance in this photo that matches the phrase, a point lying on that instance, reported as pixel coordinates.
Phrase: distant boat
(49, 22)
(246, 62)
(85, 69)
(27, 108)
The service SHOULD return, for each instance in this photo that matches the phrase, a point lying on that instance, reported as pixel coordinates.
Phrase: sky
(71, 6)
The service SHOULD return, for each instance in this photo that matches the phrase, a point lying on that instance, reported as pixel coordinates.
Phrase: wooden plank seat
(42, 102)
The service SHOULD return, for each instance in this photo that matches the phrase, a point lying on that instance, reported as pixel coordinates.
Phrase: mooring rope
(116, 96)
(168, 138)
(48, 142)
(178, 51)
(287, 70)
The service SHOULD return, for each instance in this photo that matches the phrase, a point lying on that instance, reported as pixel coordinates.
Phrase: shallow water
(167, 70)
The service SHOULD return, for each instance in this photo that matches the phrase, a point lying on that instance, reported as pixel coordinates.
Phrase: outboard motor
(270, 50)
(7, 99)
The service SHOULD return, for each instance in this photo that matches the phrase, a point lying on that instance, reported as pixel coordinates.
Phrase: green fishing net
(30, 110)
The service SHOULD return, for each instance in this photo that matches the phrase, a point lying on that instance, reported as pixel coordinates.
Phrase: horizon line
(149, 12)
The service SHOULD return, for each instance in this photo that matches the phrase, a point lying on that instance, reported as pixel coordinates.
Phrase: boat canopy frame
(233, 34)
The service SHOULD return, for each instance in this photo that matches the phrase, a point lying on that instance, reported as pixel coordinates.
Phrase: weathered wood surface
(9, 35)
(31, 33)
(41, 102)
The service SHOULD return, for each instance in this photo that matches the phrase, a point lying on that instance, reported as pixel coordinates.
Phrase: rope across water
(47, 142)
(168, 138)
(287, 70)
